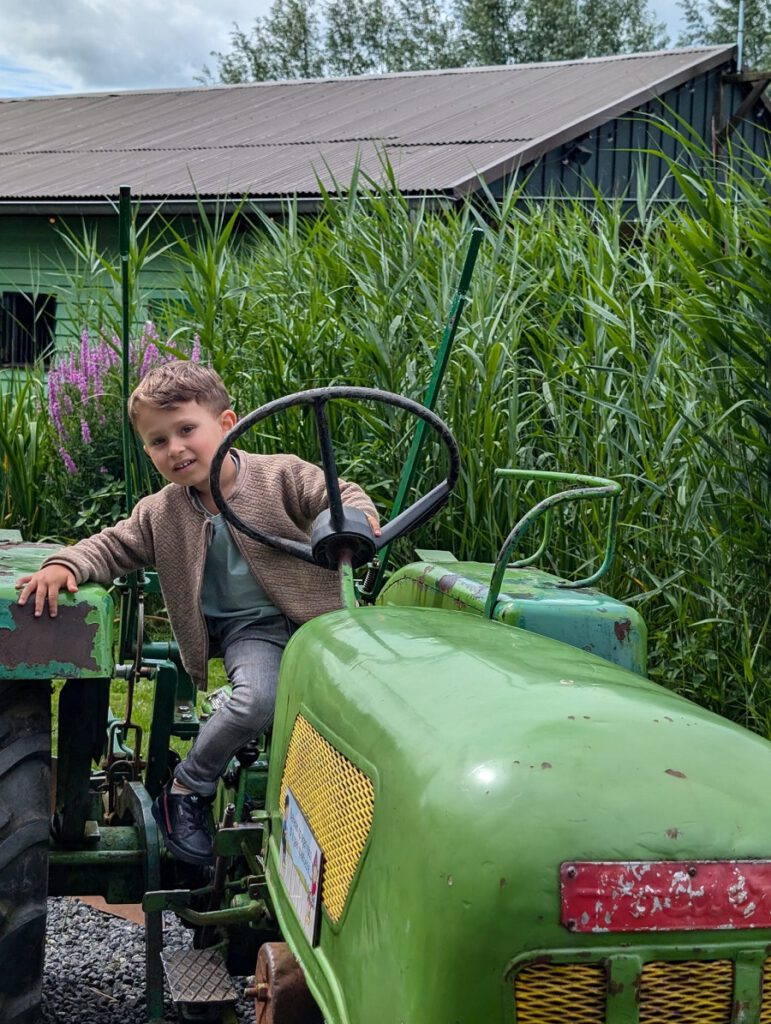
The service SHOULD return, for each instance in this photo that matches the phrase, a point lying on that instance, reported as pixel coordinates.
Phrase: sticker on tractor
(300, 866)
(665, 896)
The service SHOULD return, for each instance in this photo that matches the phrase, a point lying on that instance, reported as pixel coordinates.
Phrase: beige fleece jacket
(277, 494)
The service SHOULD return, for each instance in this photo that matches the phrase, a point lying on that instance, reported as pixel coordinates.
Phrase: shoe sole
(177, 851)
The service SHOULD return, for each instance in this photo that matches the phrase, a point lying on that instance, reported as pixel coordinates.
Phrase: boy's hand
(374, 524)
(45, 584)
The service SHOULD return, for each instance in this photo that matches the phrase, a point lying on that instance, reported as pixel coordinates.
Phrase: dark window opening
(27, 328)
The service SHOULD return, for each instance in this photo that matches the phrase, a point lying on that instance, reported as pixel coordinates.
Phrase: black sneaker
(186, 825)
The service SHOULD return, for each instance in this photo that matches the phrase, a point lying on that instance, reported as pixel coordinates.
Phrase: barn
(564, 129)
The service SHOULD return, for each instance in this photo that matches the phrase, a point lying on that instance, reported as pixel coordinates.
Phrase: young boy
(225, 593)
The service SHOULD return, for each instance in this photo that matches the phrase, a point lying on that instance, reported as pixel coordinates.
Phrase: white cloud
(83, 45)
(54, 46)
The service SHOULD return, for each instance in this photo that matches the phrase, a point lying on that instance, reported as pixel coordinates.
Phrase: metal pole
(740, 37)
(124, 231)
(443, 357)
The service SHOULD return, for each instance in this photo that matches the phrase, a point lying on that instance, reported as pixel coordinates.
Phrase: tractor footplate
(198, 976)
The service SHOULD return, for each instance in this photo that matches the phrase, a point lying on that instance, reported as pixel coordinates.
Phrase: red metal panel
(665, 896)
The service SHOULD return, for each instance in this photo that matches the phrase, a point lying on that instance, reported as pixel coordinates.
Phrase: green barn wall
(36, 258)
(612, 153)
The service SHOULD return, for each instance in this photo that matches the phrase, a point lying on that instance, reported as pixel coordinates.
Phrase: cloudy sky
(56, 46)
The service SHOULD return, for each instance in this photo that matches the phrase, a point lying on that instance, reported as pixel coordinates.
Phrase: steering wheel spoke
(328, 463)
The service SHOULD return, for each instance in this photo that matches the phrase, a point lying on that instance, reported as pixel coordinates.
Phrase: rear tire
(25, 770)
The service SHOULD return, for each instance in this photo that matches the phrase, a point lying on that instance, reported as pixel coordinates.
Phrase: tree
(365, 36)
(711, 22)
(245, 62)
(487, 34)
(356, 36)
(285, 44)
(619, 26)
(549, 30)
(500, 31)
(422, 36)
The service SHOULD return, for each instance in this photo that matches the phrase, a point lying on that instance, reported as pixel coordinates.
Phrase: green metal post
(442, 359)
(160, 729)
(124, 231)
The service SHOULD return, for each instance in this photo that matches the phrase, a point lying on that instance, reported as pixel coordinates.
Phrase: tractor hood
(497, 755)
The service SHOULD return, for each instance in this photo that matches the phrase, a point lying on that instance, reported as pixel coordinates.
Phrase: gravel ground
(95, 967)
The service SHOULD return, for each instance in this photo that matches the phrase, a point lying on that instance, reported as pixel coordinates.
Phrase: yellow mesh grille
(694, 992)
(337, 799)
(560, 993)
(765, 1006)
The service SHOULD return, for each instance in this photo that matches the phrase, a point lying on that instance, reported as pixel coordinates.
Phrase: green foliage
(588, 345)
(521, 31)
(712, 22)
(24, 454)
(94, 286)
(356, 37)
(284, 44)
(487, 30)
(635, 349)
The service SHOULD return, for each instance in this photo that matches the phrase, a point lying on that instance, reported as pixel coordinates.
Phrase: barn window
(27, 328)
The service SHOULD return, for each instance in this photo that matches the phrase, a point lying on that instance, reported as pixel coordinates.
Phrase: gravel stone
(95, 967)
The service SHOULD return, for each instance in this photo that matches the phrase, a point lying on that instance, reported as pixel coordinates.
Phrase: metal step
(198, 976)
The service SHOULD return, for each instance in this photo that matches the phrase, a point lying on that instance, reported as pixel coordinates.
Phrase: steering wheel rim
(409, 519)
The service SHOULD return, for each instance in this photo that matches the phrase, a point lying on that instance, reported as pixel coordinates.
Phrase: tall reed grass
(632, 346)
(25, 452)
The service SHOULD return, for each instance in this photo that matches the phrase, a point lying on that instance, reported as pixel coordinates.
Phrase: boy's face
(182, 441)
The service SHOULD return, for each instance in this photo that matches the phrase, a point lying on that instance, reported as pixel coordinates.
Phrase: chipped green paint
(75, 644)
(530, 599)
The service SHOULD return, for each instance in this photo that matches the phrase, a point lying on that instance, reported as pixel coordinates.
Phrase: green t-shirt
(231, 598)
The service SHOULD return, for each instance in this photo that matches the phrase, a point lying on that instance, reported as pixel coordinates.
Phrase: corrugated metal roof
(438, 128)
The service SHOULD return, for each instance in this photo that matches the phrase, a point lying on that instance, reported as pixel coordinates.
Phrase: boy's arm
(117, 550)
(312, 499)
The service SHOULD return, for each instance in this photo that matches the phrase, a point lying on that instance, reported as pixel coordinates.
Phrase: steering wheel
(338, 528)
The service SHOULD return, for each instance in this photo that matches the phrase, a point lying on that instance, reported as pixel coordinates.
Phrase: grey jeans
(251, 658)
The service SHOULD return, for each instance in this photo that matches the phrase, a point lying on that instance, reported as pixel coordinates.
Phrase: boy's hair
(173, 383)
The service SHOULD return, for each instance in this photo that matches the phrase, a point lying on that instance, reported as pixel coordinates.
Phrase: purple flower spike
(69, 465)
(195, 355)
(56, 414)
(85, 432)
(150, 357)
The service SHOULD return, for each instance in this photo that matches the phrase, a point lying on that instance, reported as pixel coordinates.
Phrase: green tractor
(473, 807)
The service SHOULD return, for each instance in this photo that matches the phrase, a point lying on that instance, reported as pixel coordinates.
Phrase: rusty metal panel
(663, 896)
(75, 644)
(272, 138)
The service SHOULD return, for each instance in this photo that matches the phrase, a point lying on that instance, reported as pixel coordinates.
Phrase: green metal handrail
(597, 487)
(124, 232)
